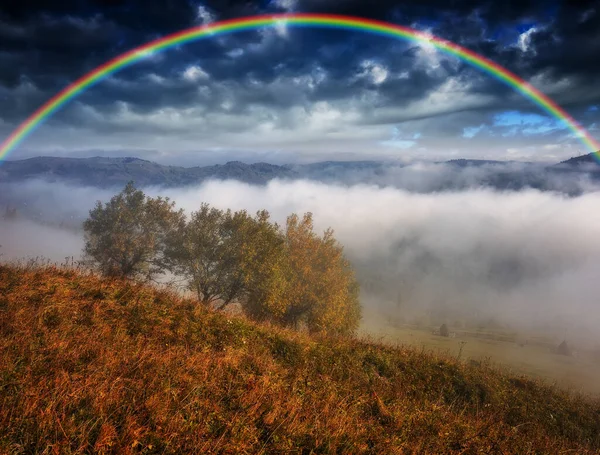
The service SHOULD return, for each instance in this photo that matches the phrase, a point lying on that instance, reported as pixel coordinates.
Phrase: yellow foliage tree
(306, 281)
(263, 262)
(322, 290)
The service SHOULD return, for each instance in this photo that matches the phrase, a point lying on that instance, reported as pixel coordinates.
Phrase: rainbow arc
(294, 20)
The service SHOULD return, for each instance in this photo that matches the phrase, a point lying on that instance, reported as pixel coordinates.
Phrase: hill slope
(91, 365)
(581, 160)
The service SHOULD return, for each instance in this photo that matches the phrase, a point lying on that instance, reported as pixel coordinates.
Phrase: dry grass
(537, 359)
(95, 366)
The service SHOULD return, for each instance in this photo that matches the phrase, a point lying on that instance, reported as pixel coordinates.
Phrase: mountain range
(109, 172)
(103, 172)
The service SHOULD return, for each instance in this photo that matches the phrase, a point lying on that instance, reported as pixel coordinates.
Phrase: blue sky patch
(472, 131)
(525, 123)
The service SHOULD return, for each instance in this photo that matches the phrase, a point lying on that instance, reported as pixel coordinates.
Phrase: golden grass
(537, 359)
(89, 365)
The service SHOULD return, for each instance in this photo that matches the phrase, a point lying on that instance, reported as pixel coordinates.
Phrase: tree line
(288, 274)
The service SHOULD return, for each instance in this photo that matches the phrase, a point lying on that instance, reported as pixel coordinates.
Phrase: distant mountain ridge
(108, 172)
(105, 172)
(582, 160)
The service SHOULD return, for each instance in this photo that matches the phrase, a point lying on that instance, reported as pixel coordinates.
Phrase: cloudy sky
(287, 94)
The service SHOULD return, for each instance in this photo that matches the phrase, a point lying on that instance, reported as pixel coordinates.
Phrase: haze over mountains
(571, 176)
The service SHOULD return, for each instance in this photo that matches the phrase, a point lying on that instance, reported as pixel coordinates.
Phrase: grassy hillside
(91, 365)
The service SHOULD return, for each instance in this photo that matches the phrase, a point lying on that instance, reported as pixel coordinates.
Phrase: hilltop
(92, 364)
(581, 160)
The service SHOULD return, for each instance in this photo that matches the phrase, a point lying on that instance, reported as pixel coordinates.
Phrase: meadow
(93, 365)
(537, 358)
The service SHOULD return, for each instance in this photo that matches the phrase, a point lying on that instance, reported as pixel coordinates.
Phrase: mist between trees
(288, 274)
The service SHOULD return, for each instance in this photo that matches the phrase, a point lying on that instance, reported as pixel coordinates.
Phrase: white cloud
(155, 78)
(287, 5)
(203, 15)
(524, 40)
(235, 53)
(281, 28)
(376, 72)
(194, 73)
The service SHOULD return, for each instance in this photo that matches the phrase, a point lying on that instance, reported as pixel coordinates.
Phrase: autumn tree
(323, 291)
(307, 281)
(290, 276)
(265, 266)
(126, 236)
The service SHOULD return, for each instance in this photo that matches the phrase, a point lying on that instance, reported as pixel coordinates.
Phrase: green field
(537, 359)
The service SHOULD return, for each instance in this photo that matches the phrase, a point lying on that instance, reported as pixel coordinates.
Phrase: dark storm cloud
(565, 40)
(45, 46)
(390, 9)
(572, 45)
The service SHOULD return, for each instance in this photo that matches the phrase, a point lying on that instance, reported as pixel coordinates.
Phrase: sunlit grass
(109, 366)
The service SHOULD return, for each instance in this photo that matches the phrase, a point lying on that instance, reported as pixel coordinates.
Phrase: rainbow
(298, 20)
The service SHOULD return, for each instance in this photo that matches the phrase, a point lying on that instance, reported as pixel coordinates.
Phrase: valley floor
(579, 372)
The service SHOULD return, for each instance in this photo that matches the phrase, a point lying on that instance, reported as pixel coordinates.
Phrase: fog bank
(527, 258)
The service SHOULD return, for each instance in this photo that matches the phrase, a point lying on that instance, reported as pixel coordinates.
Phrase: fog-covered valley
(524, 259)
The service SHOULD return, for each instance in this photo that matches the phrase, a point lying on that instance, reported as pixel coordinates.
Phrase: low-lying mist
(529, 259)
(459, 175)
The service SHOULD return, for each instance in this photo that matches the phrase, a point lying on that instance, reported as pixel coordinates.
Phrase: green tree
(203, 252)
(224, 256)
(126, 236)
